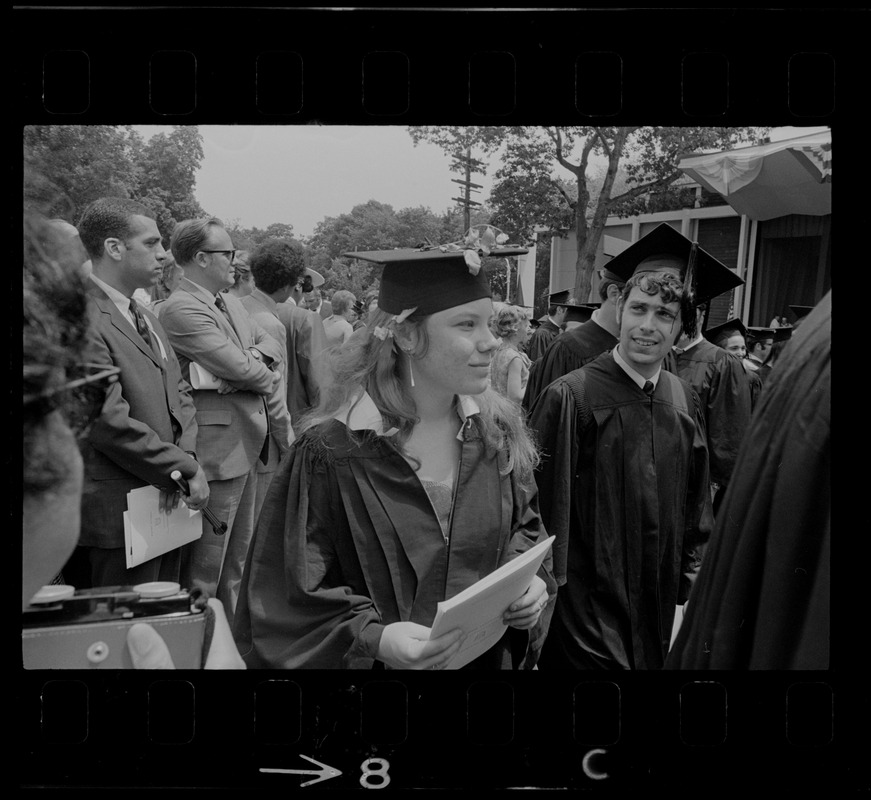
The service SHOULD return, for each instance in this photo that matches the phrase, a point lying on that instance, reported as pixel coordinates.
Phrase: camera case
(88, 630)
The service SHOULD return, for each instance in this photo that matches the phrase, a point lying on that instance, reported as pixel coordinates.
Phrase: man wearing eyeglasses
(146, 428)
(239, 362)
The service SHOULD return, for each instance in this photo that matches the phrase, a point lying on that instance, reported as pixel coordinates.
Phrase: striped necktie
(143, 329)
(648, 388)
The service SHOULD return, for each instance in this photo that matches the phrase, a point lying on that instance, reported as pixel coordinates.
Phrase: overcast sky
(300, 174)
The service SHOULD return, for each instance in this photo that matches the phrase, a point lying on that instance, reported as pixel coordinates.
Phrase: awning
(793, 176)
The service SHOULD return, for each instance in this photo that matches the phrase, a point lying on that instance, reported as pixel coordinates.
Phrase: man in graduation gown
(731, 336)
(761, 600)
(623, 486)
(574, 348)
(551, 326)
(724, 391)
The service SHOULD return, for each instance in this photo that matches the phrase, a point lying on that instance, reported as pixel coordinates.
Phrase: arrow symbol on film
(324, 773)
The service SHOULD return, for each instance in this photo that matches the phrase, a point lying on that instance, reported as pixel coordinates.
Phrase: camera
(64, 628)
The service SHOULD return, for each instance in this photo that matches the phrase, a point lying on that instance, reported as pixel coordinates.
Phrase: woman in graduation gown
(409, 482)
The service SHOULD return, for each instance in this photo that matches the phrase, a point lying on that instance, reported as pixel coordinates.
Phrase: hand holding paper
(150, 532)
(407, 645)
(524, 613)
(479, 611)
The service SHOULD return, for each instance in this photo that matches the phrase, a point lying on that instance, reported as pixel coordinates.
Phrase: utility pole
(467, 163)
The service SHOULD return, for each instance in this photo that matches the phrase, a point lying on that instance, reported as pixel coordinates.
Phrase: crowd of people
(370, 457)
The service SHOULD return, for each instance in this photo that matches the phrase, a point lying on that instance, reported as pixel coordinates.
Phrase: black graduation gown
(724, 392)
(624, 488)
(348, 542)
(761, 600)
(568, 351)
(541, 337)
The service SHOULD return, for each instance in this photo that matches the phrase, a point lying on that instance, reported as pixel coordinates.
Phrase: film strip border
(802, 732)
(445, 731)
(282, 66)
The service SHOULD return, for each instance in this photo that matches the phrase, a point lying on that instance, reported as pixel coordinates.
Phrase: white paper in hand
(149, 532)
(203, 379)
(478, 609)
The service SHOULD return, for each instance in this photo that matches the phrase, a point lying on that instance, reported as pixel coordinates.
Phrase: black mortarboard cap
(560, 298)
(665, 249)
(430, 280)
(775, 334)
(734, 324)
(801, 311)
(580, 312)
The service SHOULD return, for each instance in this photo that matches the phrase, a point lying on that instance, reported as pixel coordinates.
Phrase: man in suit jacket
(147, 428)
(213, 331)
(306, 338)
(276, 266)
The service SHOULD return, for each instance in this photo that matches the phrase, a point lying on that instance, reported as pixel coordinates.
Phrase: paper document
(203, 379)
(149, 532)
(478, 609)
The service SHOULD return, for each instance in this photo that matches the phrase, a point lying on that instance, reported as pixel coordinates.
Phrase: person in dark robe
(550, 325)
(574, 348)
(781, 339)
(409, 482)
(623, 486)
(760, 342)
(717, 379)
(731, 336)
(761, 600)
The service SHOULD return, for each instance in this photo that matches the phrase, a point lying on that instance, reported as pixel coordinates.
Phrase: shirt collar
(635, 376)
(690, 346)
(118, 298)
(196, 289)
(363, 415)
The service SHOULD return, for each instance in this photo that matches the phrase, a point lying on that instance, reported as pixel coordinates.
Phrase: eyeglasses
(231, 254)
(80, 399)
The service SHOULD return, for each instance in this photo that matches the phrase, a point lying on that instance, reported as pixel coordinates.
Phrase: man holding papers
(214, 331)
(147, 427)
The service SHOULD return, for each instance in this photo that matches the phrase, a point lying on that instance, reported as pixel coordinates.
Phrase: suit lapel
(121, 323)
(227, 323)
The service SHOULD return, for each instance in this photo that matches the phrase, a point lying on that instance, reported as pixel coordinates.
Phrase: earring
(407, 351)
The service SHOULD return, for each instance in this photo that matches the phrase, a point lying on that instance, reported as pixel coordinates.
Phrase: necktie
(143, 329)
(219, 302)
(648, 388)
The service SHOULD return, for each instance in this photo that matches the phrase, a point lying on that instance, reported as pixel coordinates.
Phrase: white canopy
(793, 176)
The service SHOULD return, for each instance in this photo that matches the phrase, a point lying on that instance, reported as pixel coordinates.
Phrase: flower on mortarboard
(382, 332)
(473, 261)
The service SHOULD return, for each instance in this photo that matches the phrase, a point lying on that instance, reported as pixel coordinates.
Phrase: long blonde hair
(365, 362)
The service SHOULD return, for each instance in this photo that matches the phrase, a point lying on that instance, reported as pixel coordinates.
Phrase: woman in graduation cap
(409, 482)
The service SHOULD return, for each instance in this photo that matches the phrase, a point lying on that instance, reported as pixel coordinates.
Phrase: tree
(68, 166)
(465, 143)
(167, 166)
(638, 164)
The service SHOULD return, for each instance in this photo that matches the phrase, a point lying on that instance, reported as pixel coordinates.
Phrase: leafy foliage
(68, 166)
(563, 178)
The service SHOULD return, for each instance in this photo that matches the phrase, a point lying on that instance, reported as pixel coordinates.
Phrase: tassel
(689, 293)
